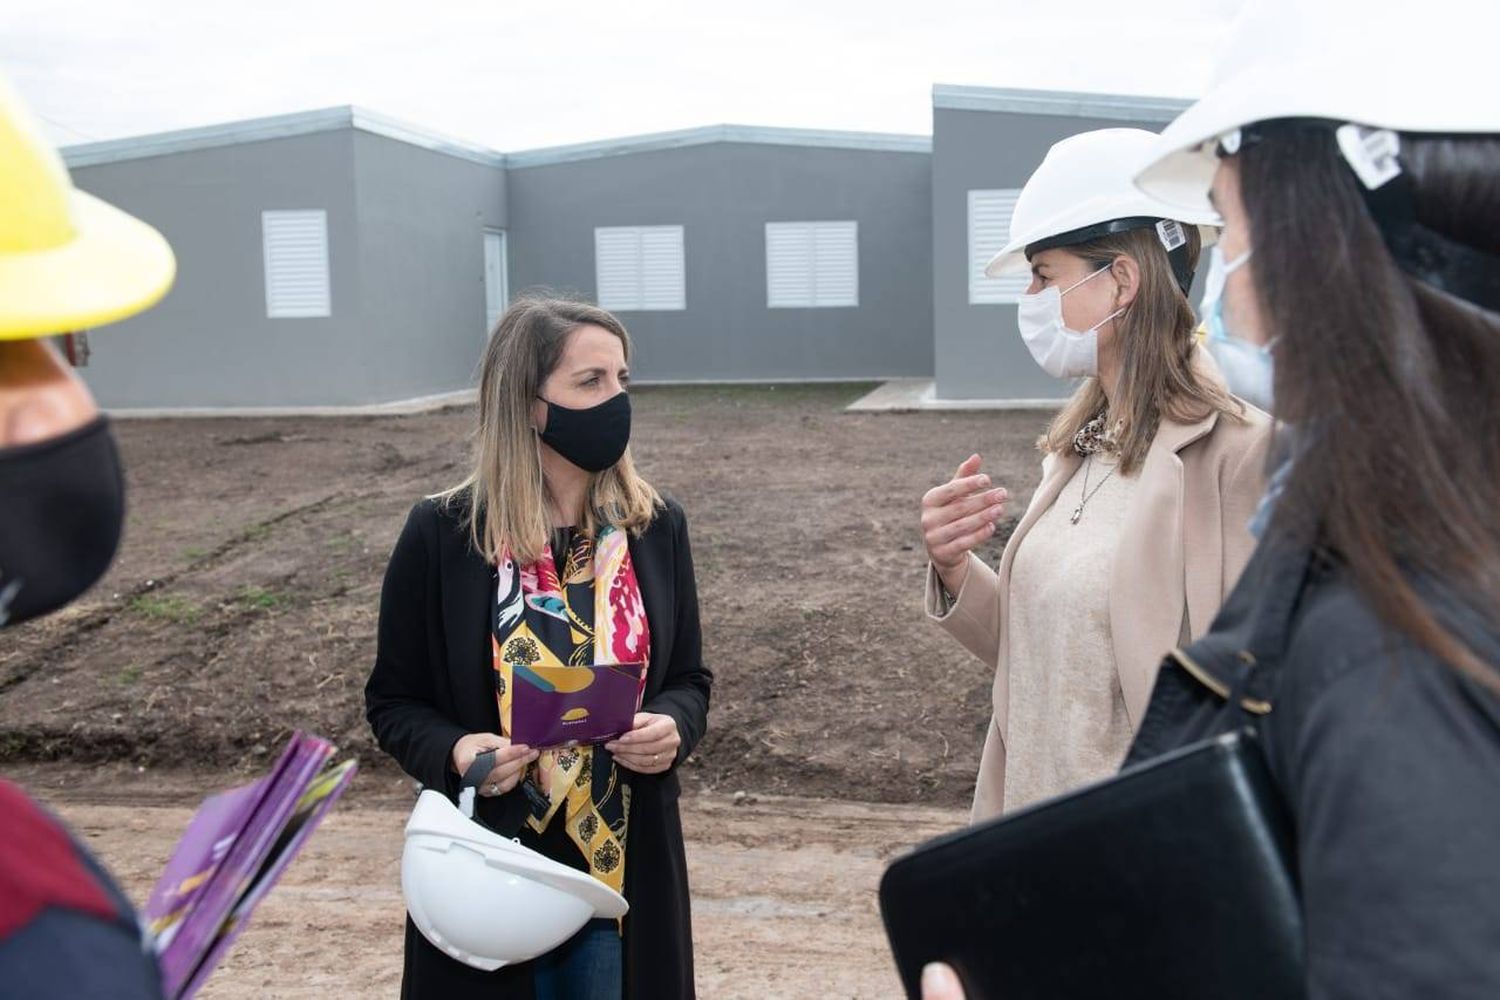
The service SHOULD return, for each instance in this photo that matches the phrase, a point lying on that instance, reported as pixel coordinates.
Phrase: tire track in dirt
(100, 615)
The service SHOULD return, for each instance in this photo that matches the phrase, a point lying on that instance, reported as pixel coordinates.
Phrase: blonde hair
(505, 497)
(1155, 340)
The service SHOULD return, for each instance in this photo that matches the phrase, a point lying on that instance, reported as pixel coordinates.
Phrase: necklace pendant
(1077, 513)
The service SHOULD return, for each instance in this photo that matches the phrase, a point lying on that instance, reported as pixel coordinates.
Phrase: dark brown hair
(1155, 340)
(1391, 382)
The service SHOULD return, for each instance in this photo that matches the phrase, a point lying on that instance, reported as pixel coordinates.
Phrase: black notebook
(1172, 879)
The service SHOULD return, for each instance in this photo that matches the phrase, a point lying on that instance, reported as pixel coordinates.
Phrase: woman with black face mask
(552, 553)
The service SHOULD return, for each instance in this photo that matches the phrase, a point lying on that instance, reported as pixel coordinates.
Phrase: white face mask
(1061, 352)
(1249, 368)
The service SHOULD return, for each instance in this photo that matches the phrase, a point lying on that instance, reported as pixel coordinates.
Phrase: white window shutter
(640, 268)
(663, 278)
(812, 264)
(295, 247)
(617, 261)
(789, 265)
(989, 231)
(836, 251)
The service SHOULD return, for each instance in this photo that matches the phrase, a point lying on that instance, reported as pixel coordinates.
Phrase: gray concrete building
(327, 259)
(338, 259)
(803, 255)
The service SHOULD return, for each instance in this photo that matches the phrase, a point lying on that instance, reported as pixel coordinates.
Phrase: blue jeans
(588, 966)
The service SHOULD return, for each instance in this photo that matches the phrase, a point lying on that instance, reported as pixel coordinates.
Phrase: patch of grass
(12, 745)
(166, 607)
(193, 555)
(129, 674)
(343, 542)
(260, 598)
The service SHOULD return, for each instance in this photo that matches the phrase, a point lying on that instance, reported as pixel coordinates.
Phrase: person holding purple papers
(550, 597)
(67, 261)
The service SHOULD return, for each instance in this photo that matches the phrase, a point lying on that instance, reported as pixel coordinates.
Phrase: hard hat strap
(1427, 255)
(1178, 257)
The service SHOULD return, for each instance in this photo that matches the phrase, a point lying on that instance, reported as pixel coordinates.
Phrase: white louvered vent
(296, 258)
(812, 264)
(989, 230)
(640, 268)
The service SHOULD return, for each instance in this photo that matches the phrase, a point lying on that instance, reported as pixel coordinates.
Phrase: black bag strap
(478, 771)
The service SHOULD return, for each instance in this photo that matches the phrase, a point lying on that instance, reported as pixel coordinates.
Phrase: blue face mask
(1248, 368)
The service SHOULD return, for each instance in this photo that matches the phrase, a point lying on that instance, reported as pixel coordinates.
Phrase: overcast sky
(518, 74)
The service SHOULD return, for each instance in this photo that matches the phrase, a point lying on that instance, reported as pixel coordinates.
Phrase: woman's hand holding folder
(651, 745)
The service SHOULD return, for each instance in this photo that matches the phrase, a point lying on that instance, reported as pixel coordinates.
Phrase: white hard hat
(1381, 65)
(488, 901)
(1083, 190)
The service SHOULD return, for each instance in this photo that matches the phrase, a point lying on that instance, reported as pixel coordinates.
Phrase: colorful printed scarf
(591, 614)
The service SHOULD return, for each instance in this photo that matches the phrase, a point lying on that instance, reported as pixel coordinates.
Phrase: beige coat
(1183, 544)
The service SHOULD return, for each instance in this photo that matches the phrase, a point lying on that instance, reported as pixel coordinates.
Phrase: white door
(496, 295)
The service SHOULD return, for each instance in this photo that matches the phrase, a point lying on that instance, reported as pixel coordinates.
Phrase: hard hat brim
(1180, 167)
(114, 267)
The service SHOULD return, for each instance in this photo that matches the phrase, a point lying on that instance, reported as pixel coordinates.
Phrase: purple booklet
(552, 707)
(236, 846)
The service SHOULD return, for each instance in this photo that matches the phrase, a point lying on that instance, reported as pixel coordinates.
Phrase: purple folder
(553, 707)
(235, 847)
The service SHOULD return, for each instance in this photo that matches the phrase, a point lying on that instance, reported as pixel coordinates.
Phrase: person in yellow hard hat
(67, 261)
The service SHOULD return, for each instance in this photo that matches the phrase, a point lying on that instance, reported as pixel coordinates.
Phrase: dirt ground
(843, 728)
(244, 599)
(784, 890)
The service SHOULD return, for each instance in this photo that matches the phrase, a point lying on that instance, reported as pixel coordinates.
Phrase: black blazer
(433, 683)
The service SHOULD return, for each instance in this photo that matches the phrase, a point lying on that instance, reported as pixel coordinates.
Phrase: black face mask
(62, 503)
(592, 439)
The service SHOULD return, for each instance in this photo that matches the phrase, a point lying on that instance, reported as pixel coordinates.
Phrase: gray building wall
(978, 352)
(406, 265)
(209, 343)
(723, 194)
(422, 216)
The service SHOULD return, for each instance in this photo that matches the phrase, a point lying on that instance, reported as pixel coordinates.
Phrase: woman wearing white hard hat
(1355, 157)
(1354, 154)
(1150, 473)
(554, 553)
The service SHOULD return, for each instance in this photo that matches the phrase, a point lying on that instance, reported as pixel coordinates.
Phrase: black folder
(1172, 879)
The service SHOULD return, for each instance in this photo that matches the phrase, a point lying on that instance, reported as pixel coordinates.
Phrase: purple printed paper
(213, 830)
(235, 848)
(314, 804)
(553, 707)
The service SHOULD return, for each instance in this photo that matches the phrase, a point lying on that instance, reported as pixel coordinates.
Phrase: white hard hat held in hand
(486, 900)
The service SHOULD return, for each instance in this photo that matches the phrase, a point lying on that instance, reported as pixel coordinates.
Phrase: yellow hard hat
(68, 261)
